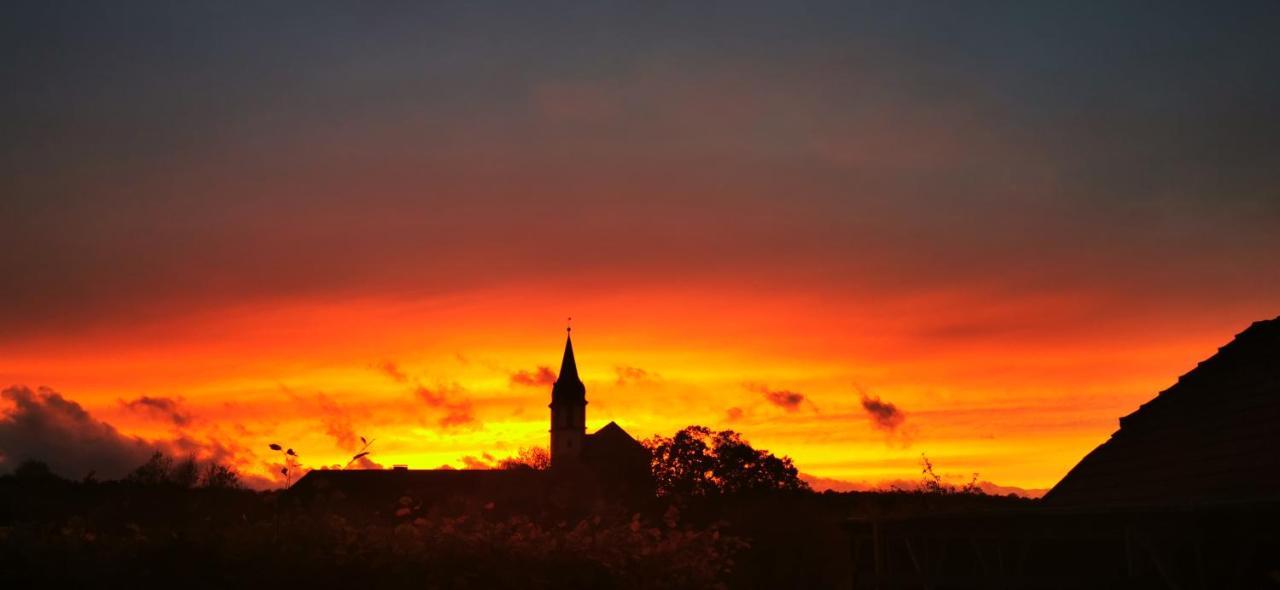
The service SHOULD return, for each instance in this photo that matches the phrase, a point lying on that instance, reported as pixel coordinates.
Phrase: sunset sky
(227, 226)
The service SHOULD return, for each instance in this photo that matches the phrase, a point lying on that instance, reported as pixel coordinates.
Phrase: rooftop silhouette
(1210, 438)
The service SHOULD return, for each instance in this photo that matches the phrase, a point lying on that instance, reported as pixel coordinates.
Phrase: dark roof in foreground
(1212, 438)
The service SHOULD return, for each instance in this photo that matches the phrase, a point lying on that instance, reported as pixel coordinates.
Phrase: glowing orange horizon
(1017, 406)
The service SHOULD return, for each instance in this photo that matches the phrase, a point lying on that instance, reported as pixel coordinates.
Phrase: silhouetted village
(1183, 495)
(582, 466)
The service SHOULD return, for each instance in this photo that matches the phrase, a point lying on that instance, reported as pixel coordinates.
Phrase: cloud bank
(43, 425)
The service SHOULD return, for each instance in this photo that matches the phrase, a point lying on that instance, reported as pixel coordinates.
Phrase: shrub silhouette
(932, 483)
(112, 535)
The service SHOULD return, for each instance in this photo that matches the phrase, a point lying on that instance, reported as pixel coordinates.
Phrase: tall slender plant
(362, 453)
(291, 464)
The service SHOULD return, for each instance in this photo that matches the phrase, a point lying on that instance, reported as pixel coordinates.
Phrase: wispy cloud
(791, 401)
(163, 407)
(484, 461)
(543, 375)
(630, 375)
(392, 370)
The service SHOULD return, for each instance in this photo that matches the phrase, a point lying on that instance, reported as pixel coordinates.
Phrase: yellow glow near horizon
(307, 374)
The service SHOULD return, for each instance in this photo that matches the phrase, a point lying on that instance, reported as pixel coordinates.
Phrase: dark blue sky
(185, 153)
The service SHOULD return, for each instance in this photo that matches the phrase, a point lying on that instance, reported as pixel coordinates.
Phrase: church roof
(614, 456)
(613, 437)
(611, 443)
(1210, 438)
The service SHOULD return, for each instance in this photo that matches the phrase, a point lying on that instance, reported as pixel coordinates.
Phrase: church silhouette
(571, 446)
(609, 461)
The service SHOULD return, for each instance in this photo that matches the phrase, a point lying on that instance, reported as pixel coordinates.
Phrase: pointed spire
(568, 366)
(568, 387)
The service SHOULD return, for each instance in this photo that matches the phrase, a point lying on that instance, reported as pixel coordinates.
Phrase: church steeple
(568, 410)
(568, 366)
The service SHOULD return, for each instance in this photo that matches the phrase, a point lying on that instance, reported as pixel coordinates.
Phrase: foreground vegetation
(724, 516)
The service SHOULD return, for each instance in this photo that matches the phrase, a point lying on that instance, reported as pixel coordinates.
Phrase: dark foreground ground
(114, 534)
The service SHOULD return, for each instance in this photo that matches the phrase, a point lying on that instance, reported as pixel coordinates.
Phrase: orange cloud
(484, 461)
(788, 400)
(337, 422)
(453, 410)
(543, 375)
(390, 369)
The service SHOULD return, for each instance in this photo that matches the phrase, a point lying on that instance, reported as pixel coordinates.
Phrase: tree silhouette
(218, 476)
(161, 470)
(152, 473)
(698, 462)
(185, 473)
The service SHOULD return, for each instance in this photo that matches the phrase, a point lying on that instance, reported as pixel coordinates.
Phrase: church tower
(568, 411)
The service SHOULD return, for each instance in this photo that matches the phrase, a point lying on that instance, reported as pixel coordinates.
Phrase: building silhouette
(606, 450)
(568, 411)
(1212, 438)
(1185, 494)
(609, 461)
